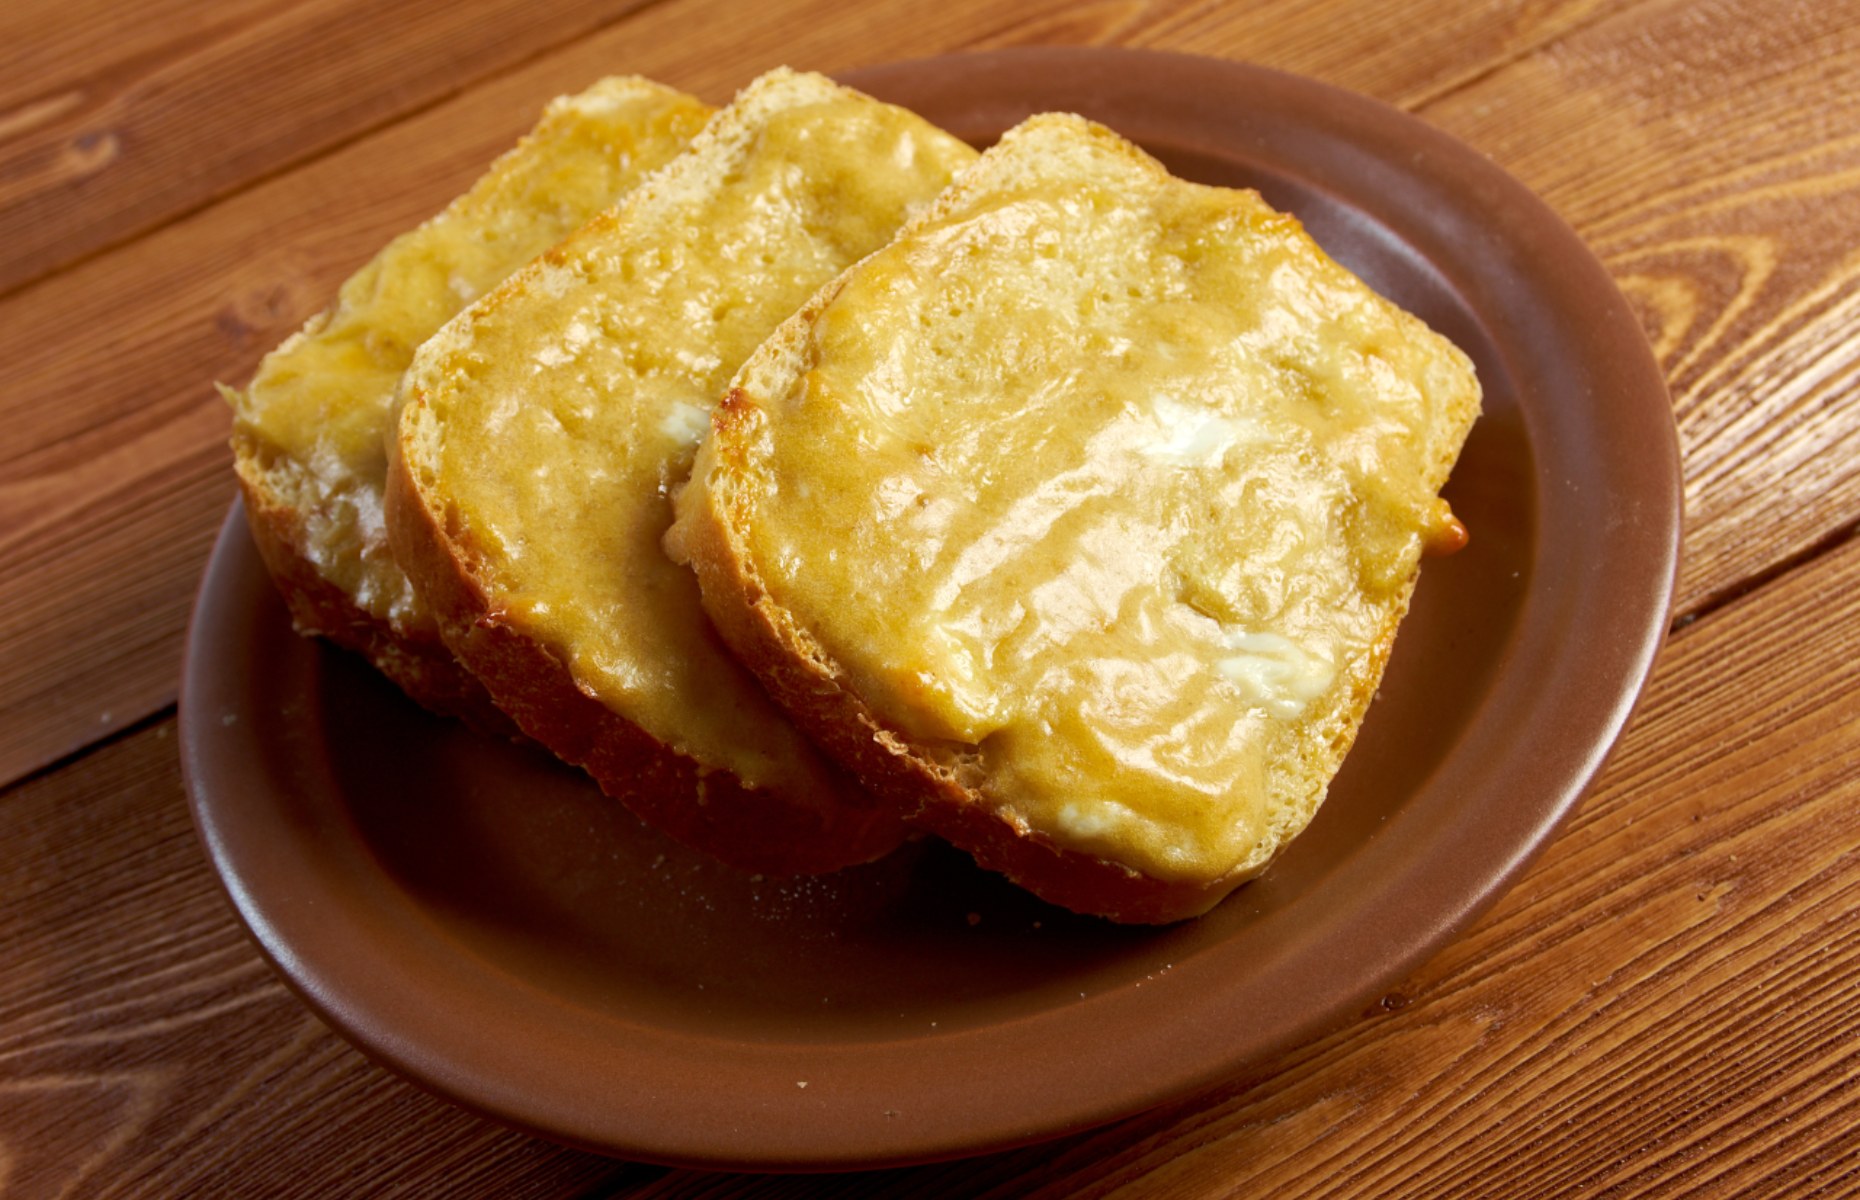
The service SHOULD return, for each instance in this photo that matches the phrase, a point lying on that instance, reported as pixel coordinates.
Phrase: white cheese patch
(575, 339)
(1101, 820)
(551, 280)
(595, 102)
(685, 423)
(1097, 817)
(1077, 821)
(1191, 437)
(1274, 672)
(957, 675)
(462, 288)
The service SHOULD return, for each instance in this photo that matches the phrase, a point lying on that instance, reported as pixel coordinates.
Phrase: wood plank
(56, 56)
(139, 1027)
(1404, 54)
(1668, 1000)
(1710, 152)
(113, 476)
(248, 100)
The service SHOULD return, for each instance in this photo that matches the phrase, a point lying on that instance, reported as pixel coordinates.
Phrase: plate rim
(1622, 348)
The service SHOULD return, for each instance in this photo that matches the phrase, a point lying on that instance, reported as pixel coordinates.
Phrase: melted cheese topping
(1112, 483)
(566, 407)
(321, 405)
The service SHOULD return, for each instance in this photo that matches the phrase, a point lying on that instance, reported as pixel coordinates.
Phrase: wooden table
(1668, 1003)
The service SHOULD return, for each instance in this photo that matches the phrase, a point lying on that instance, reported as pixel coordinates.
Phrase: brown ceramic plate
(483, 921)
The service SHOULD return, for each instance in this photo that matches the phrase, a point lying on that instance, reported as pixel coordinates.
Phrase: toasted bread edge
(755, 829)
(421, 667)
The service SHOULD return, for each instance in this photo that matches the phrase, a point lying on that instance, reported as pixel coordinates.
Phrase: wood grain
(57, 55)
(1381, 49)
(1668, 1004)
(1669, 1001)
(1710, 153)
(238, 101)
(147, 1050)
(114, 477)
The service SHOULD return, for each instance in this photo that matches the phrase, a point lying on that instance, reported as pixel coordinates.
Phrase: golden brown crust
(423, 668)
(751, 828)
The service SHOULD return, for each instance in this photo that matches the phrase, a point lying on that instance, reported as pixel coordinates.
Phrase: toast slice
(1079, 519)
(310, 432)
(545, 427)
